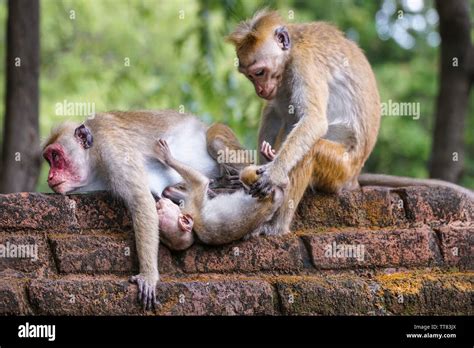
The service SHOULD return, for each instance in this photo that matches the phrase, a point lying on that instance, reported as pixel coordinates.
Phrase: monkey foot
(146, 291)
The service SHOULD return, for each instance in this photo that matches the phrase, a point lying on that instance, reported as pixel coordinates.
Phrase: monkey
(223, 219)
(322, 111)
(114, 151)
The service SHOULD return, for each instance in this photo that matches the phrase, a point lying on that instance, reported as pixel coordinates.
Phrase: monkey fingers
(226, 182)
(262, 193)
(261, 189)
(235, 180)
(162, 151)
(267, 151)
(230, 170)
(265, 184)
(146, 292)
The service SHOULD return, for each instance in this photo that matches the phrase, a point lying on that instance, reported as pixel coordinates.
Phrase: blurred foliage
(178, 58)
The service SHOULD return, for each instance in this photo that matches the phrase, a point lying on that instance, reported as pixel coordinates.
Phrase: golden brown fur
(329, 85)
(323, 109)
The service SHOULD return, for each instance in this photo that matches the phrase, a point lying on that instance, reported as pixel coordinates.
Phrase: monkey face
(264, 62)
(67, 172)
(69, 167)
(171, 220)
(265, 74)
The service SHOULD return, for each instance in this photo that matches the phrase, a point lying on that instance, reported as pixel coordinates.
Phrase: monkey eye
(260, 72)
(54, 157)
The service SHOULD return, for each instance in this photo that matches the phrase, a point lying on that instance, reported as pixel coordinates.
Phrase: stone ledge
(417, 292)
(371, 207)
(86, 252)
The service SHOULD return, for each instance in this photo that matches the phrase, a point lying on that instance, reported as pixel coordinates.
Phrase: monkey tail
(400, 181)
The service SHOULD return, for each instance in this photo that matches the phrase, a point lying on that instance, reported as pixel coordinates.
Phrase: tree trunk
(20, 157)
(447, 157)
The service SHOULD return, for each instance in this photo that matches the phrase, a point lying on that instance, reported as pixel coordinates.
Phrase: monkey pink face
(171, 220)
(64, 174)
(265, 64)
(67, 156)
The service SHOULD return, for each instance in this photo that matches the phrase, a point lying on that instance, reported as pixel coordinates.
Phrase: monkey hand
(146, 289)
(267, 151)
(269, 178)
(162, 151)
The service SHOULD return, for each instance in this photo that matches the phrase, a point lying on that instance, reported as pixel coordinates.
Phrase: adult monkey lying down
(115, 151)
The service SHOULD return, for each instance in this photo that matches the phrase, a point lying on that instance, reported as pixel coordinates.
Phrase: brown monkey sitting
(225, 218)
(322, 113)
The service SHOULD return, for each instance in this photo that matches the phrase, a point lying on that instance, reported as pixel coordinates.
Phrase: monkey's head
(249, 176)
(174, 224)
(263, 47)
(66, 151)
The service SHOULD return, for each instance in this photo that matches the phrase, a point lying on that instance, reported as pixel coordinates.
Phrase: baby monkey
(222, 219)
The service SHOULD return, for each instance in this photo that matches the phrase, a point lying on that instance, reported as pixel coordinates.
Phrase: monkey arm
(127, 180)
(191, 176)
(310, 99)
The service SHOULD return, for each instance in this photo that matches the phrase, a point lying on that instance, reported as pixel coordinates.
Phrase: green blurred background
(178, 58)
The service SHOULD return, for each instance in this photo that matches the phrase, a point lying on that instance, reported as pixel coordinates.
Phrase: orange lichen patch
(413, 282)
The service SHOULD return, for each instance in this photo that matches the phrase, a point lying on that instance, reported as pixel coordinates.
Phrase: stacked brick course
(372, 251)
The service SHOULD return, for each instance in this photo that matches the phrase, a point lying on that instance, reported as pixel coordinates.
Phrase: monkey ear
(186, 222)
(283, 38)
(84, 136)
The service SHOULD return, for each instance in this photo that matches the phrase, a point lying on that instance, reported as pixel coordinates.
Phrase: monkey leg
(327, 167)
(299, 179)
(221, 140)
(224, 147)
(334, 167)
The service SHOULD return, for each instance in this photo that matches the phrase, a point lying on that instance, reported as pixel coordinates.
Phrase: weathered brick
(416, 293)
(96, 254)
(428, 204)
(366, 207)
(118, 297)
(325, 295)
(82, 297)
(244, 297)
(352, 249)
(10, 298)
(282, 255)
(36, 211)
(24, 253)
(457, 245)
(101, 210)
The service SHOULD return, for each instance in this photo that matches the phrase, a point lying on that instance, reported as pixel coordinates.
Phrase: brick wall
(374, 251)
